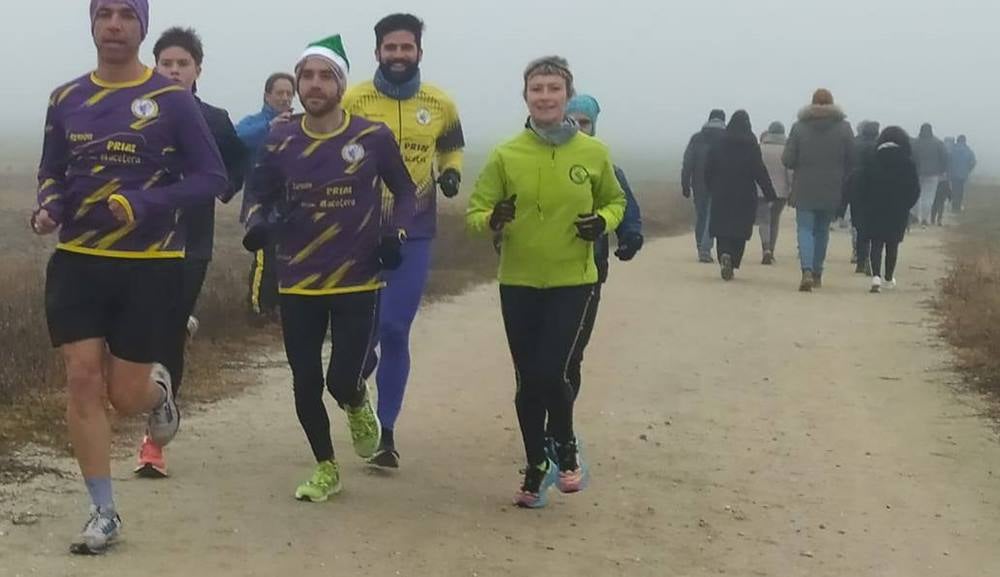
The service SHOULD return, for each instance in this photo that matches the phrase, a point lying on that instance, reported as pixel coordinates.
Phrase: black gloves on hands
(450, 181)
(256, 238)
(628, 246)
(590, 227)
(390, 251)
(503, 212)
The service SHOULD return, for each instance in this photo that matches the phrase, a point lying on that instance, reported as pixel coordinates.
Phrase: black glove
(590, 227)
(503, 212)
(390, 254)
(628, 246)
(256, 238)
(449, 181)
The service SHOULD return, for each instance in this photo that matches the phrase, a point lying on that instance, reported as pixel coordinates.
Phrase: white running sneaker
(165, 419)
(890, 284)
(100, 532)
(876, 284)
(192, 326)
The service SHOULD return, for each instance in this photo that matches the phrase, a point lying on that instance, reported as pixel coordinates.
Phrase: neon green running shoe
(366, 430)
(325, 482)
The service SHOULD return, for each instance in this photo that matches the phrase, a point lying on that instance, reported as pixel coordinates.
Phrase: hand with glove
(450, 181)
(390, 251)
(590, 227)
(628, 246)
(256, 237)
(503, 213)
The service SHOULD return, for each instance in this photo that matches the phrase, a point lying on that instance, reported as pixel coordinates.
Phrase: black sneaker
(385, 458)
(727, 267)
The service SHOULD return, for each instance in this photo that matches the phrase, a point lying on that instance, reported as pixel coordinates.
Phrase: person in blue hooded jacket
(584, 109)
(279, 90)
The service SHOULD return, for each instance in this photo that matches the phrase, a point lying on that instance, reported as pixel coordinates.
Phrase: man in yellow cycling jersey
(426, 125)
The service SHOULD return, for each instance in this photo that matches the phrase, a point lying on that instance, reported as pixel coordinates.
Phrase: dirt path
(741, 429)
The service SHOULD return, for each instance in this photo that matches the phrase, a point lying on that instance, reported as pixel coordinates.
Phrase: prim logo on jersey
(144, 108)
(353, 153)
(578, 174)
(423, 117)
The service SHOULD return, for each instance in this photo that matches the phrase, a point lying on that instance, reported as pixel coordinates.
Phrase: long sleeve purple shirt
(327, 188)
(142, 144)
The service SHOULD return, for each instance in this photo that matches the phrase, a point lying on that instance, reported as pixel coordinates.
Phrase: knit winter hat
(776, 128)
(822, 97)
(140, 7)
(586, 105)
(332, 50)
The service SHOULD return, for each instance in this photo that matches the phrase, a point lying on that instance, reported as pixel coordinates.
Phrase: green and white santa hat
(330, 49)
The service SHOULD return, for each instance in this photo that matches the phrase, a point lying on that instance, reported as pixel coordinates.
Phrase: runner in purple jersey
(316, 192)
(125, 151)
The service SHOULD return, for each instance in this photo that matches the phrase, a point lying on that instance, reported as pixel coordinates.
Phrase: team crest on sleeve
(144, 108)
(423, 117)
(579, 174)
(353, 152)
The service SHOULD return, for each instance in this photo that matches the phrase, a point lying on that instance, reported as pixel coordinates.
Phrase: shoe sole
(150, 471)
(727, 269)
(86, 550)
(163, 439)
(543, 498)
(584, 481)
(385, 460)
(333, 492)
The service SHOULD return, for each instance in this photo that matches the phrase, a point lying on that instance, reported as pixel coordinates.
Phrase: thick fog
(656, 66)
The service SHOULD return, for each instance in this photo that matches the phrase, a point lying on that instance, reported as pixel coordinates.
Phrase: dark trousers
(957, 195)
(734, 247)
(891, 255)
(194, 272)
(352, 320)
(862, 248)
(941, 196)
(546, 331)
(263, 294)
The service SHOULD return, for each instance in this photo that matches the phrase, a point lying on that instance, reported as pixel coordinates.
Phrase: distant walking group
(884, 179)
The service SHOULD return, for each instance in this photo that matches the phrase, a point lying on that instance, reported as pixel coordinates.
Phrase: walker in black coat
(734, 171)
(888, 188)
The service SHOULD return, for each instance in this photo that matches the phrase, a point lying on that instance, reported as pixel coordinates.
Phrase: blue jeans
(814, 237)
(702, 235)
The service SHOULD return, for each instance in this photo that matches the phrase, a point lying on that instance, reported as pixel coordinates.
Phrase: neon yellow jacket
(430, 137)
(554, 185)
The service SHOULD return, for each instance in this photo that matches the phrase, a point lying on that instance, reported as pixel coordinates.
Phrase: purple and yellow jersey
(327, 190)
(430, 136)
(143, 144)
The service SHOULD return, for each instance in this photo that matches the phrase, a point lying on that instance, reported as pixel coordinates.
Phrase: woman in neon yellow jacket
(549, 193)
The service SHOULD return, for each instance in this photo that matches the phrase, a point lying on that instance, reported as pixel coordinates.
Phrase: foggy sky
(657, 67)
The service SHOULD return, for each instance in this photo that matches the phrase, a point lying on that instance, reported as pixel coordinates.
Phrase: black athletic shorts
(130, 303)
